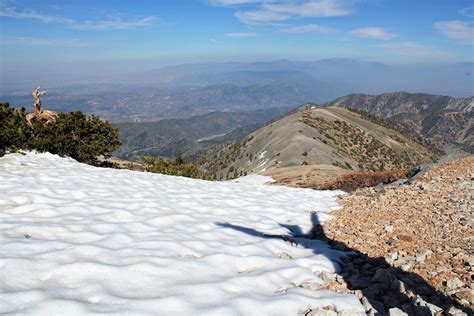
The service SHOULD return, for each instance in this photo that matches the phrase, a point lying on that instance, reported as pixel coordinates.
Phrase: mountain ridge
(444, 120)
(315, 138)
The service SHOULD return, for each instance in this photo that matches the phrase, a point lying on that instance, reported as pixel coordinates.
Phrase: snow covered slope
(77, 239)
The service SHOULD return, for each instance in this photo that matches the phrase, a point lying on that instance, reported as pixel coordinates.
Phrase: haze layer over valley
(195, 89)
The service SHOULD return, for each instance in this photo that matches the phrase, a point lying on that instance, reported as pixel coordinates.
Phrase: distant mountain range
(331, 77)
(443, 120)
(194, 89)
(318, 140)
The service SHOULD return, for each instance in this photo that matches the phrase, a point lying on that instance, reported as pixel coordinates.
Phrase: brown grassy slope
(302, 145)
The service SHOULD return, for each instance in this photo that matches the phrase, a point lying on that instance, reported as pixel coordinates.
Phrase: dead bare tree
(44, 115)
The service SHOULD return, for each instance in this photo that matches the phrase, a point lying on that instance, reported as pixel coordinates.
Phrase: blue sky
(143, 33)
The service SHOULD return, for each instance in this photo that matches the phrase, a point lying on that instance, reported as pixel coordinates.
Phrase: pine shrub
(73, 134)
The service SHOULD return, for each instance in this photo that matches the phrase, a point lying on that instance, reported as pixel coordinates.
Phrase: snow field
(77, 239)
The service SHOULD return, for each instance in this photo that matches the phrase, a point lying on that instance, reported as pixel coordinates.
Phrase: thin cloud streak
(469, 11)
(105, 24)
(309, 28)
(311, 8)
(114, 24)
(226, 3)
(260, 17)
(268, 12)
(457, 30)
(242, 34)
(32, 14)
(33, 41)
(373, 33)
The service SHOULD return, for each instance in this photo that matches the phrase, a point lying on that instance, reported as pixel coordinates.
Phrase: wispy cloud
(117, 23)
(374, 33)
(458, 30)
(271, 11)
(242, 34)
(417, 50)
(231, 2)
(32, 14)
(469, 11)
(260, 17)
(309, 28)
(114, 24)
(310, 8)
(33, 41)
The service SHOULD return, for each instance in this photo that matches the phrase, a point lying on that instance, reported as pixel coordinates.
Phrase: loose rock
(425, 227)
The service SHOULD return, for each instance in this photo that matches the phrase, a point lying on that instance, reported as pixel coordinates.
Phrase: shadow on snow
(392, 287)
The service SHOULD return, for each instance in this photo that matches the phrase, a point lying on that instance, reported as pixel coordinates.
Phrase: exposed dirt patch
(313, 176)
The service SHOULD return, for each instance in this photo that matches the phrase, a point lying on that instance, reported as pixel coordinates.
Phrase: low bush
(361, 179)
(176, 167)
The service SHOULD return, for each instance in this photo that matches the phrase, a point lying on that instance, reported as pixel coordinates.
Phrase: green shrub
(14, 131)
(178, 167)
(73, 134)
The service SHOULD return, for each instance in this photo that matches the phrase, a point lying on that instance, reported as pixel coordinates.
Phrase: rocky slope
(422, 235)
(441, 119)
(313, 142)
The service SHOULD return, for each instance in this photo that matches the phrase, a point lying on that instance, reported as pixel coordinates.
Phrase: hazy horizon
(74, 41)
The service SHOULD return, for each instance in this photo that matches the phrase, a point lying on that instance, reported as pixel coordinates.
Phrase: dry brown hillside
(319, 143)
